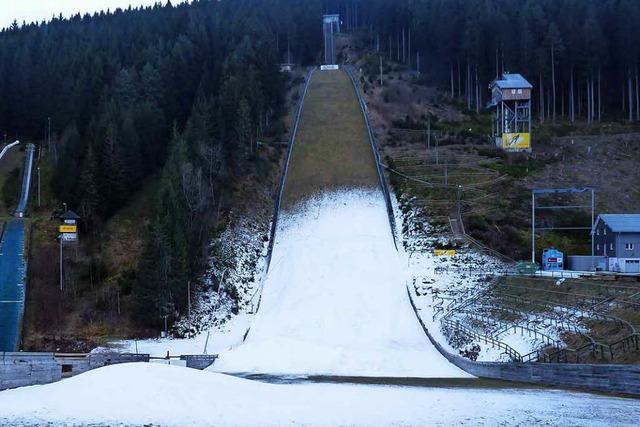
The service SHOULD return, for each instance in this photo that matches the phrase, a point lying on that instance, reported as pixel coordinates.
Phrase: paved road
(12, 284)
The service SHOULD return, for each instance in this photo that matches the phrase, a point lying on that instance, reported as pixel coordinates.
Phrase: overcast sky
(38, 10)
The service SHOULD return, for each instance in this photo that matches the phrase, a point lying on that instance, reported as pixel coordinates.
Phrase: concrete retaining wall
(583, 262)
(285, 170)
(594, 377)
(23, 369)
(376, 153)
(199, 361)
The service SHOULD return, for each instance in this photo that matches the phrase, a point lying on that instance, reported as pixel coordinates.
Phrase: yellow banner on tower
(516, 141)
(68, 228)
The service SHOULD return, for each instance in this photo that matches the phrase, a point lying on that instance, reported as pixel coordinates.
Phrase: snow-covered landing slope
(159, 395)
(335, 300)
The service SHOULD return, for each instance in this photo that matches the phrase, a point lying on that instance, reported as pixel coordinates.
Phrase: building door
(632, 266)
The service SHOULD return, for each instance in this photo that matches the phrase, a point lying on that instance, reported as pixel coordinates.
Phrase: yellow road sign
(68, 229)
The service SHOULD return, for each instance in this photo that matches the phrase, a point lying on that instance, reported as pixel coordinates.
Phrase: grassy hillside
(331, 149)
(458, 161)
(91, 307)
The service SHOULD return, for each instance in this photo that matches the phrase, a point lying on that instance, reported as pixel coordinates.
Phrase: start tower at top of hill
(330, 26)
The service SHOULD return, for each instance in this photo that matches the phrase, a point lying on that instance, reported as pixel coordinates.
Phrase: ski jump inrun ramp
(13, 262)
(334, 300)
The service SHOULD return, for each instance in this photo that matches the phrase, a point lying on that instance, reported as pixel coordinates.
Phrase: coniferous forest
(581, 55)
(181, 93)
(184, 93)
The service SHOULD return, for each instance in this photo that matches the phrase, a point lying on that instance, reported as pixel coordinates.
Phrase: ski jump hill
(334, 300)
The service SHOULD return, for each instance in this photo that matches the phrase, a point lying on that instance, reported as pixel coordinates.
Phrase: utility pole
(288, 49)
(533, 226)
(418, 62)
(458, 200)
(429, 134)
(380, 70)
(38, 186)
(61, 275)
(49, 133)
(189, 299)
(409, 46)
(166, 328)
(593, 207)
(189, 305)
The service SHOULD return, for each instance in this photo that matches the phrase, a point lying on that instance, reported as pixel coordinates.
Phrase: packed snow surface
(335, 301)
(147, 394)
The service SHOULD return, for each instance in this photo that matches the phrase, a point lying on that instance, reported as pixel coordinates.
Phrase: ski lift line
(479, 211)
(442, 162)
(562, 228)
(437, 185)
(451, 176)
(564, 207)
(419, 152)
(480, 198)
(548, 191)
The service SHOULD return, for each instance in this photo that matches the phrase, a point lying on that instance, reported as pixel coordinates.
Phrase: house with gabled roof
(616, 237)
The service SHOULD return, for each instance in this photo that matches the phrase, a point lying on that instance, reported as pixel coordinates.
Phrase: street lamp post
(38, 186)
(61, 275)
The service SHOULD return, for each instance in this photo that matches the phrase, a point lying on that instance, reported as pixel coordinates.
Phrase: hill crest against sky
(39, 10)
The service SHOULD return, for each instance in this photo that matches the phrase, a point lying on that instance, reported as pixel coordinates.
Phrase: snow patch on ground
(335, 301)
(439, 283)
(139, 394)
(216, 340)
(222, 310)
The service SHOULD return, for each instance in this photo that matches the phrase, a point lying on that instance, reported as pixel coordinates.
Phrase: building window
(604, 231)
(597, 231)
(611, 246)
(519, 91)
(513, 91)
(628, 246)
(598, 247)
